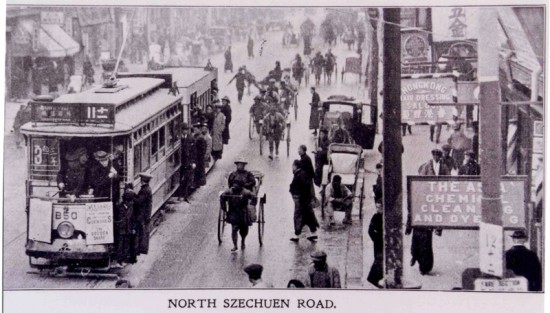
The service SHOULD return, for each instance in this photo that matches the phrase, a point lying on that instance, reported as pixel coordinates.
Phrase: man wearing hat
(321, 275)
(241, 175)
(447, 159)
(72, 179)
(258, 111)
(378, 187)
(470, 166)
(524, 262)
(226, 110)
(218, 128)
(143, 206)
(421, 245)
(460, 144)
(240, 78)
(274, 124)
(188, 162)
(321, 157)
(338, 197)
(103, 176)
(314, 111)
(254, 272)
(235, 202)
(200, 162)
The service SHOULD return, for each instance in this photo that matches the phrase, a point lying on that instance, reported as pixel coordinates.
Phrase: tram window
(171, 133)
(137, 159)
(154, 146)
(145, 154)
(162, 140)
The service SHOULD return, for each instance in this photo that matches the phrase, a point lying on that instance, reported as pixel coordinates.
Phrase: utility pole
(371, 77)
(393, 210)
(490, 152)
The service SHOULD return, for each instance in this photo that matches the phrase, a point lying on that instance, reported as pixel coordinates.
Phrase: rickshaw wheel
(261, 222)
(250, 127)
(221, 225)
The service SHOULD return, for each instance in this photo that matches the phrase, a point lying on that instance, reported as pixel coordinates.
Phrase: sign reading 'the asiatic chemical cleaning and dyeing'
(455, 202)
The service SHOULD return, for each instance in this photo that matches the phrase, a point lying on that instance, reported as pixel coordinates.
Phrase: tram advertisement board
(99, 223)
(416, 93)
(455, 201)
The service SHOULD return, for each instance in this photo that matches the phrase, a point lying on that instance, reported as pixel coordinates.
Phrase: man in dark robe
(321, 157)
(242, 176)
(307, 164)
(103, 176)
(143, 207)
(188, 165)
(300, 189)
(124, 226)
(321, 274)
(376, 234)
(250, 47)
(470, 166)
(228, 66)
(200, 145)
(226, 110)
(314, 112)
(524, 262)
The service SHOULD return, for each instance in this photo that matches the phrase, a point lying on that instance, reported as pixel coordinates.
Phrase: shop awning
(52, 41)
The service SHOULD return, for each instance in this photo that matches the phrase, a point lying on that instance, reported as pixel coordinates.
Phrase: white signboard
(491, 249)
(506, 285)
(455, 23)
(40, 220)
(99, 223)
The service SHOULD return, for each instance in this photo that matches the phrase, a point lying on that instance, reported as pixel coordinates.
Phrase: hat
(257, 97)
(379, 165)
(437, 152)
(457, 126)
(72, 156)
(241, 160)
(197, 124)
(446, 147)
(145, 177)
(218, 104)
(184, 126)
(519, 234)
(203, 124)
(226, 98)
(101, 155)
(319, 255)
(254, 271)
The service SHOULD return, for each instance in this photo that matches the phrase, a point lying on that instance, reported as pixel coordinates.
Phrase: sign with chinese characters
(415, 47)
(99, 223)
(455, 23)
(491, 249)
(45, 159)
(97, 113)
(52, 18)
(77, 113)
(455, 201)
(515, 284)
(416, 93)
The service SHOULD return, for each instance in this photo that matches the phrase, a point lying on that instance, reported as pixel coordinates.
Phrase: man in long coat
(421, 246)
(228, 66)
(314, 112)
(143, 207)
(226, 110)
(217, 132)
(201, 146)
(188, 163)
(103, 176)
(124, 223)
(376, 234)
(300, 189)
(524, 262)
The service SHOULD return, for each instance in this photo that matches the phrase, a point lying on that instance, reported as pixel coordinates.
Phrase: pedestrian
(524, 262)
(339, 134)
(421, 246)
(318, 65)
(123, 227)
(274, 123)
(235, 202)
(460, 144)
(218, 127)
(338, 197)
(435, 129)
(322, 275)
(376, 234)
(22, 117)
(314, 112)
(143, 206)
(188, 163)
(254, 272)
(378, 187)
(307, 164)
(300, 189)
(250, 47)
(294, 283)
(242, 176)
(470, 166)
(258, 110)
(88, 71)
(321, 157)
(277, 71)
(240, 79)
(447, 159)
(208, 140)
(200, 162)
(208, 117)
(103, 176)
(226, 110)
(228, 66)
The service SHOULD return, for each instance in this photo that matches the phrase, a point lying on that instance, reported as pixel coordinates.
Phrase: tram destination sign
(455, 201)
(73, 113)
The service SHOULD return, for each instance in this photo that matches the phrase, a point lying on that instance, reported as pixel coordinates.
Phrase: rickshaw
(358, 118)
(290, 38)
(345, 160)
(285, 136)
(260, 217)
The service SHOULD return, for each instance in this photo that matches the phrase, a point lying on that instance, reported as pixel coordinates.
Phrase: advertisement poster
(99, 223)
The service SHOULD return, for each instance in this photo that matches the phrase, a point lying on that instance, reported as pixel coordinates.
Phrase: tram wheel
(261, 222)
(221, 225)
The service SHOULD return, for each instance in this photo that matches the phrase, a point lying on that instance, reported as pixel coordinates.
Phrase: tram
(136, 121)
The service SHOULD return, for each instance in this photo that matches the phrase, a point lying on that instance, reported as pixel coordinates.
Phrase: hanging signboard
(415, 46)
(99, 223)
(455, 201)
(94, 16)
(455, 23)
(515, 284)
(491, 249)
(416, 93)
(86, 113)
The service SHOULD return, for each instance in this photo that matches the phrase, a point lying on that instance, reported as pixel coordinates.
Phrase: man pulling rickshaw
(298, 69)
(274, 124)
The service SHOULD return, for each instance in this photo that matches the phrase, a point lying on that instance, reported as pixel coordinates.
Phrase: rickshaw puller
(242, 176)
(235, 203)
(274, 127)
(338, 196)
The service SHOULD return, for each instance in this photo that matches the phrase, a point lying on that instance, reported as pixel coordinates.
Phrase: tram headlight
(65, 230)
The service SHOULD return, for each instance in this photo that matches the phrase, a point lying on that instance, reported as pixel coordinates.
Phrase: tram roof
(126, 119)
(183, 76)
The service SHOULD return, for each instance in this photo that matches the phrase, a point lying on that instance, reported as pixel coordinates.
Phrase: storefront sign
(99, 223)
(491, 249)
(504, 285)
(415, 47)
(455, 23)
(94, 16)
(52, 18)
(416, 93)
(455, 202)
